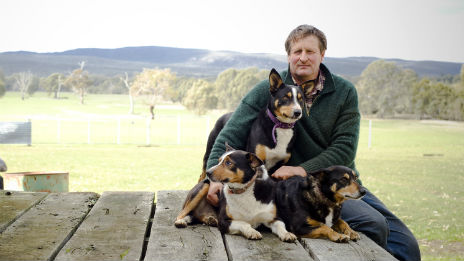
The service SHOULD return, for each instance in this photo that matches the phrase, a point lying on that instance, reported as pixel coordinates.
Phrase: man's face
(305, 58)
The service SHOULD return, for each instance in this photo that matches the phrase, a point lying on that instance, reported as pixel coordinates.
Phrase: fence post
(30, 124)
(178, 129)
(148, 122)
(118, 135)
(58, 131)
(370, 135)
(88, 131)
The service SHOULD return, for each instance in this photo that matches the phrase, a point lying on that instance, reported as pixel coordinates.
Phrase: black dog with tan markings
(310, 206)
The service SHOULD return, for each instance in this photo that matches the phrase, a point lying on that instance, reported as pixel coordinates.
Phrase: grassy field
(414, 167)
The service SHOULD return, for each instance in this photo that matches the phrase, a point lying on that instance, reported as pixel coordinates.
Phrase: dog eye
(228, 163)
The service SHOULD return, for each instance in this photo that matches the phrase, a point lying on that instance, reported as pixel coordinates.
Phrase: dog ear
(228, 147)
(319, 174)
(308, 87)
(275, 81)
(254, 160)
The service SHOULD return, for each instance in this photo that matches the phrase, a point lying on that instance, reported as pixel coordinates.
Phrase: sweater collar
(329, 85)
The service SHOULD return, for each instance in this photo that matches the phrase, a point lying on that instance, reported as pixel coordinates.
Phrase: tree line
(385, 89)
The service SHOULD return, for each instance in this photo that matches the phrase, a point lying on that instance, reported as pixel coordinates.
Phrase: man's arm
(344, 138)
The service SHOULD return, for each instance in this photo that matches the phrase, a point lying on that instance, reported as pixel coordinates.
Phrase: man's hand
(212, 197)
(286, 172)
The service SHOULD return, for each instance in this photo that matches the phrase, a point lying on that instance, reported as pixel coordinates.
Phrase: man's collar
(328, 81)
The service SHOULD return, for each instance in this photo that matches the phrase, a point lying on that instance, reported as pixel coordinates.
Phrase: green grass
(414, 167)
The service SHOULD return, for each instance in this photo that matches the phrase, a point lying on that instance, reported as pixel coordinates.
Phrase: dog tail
(220, 123)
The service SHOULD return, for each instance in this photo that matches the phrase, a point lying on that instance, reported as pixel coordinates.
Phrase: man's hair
(303, 31)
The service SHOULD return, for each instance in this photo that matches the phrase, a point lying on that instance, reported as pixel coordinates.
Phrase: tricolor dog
(247, 199)
(310, 206)
(271, 136)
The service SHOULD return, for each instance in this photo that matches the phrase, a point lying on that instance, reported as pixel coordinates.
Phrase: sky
(403, 29)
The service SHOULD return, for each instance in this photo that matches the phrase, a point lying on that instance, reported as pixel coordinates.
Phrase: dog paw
(211, 221)
(354, 235)
(180, 223)
(343, 238)
(339, 238)
(288, 237)
(253, 234)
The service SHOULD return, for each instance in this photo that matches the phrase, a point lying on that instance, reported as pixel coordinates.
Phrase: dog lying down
(306, 206)
(247, 199)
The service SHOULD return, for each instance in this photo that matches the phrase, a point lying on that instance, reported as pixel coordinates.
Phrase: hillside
(188, 62)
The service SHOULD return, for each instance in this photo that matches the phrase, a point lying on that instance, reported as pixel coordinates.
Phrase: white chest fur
(279, 152)
(246, 208)
(329, 218)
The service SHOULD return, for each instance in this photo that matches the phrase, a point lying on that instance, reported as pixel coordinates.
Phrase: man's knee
(376, 228)
(363, 218)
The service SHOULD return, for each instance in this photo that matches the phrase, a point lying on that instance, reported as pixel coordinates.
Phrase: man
(326, 135)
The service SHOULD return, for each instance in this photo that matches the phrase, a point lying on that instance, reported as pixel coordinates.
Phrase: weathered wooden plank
(268, 248)
(168, 205)
(113, 230)
(364, 249)
(13, 204)
(41, 232)
(198, 242)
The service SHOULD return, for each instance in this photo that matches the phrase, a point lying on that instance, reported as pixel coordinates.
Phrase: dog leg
(278, 228)
(183, 222)
(241, 227)
(190, 205)
(321, 230)
(342, 227)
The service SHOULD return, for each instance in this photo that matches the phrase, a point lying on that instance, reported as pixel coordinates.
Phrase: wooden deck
(128, 226)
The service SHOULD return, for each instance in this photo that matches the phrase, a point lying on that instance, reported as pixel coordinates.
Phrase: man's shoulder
(340, 81)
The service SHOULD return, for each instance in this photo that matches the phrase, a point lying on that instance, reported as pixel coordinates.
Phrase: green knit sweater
(326, 135)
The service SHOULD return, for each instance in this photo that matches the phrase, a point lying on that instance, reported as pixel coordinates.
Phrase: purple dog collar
(277, 124)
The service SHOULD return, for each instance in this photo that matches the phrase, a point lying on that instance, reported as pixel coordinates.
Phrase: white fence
(163, 130)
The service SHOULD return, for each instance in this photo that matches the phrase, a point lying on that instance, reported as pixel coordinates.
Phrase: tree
(53, 84)
(151, 85)
(232, 85)
(79, 82)
(131, 96)
(34, 86)
(385, 89)
(462, 76)
(2, 84)
(200, 97)
(23, 81)
(437, 100)
(179, 88)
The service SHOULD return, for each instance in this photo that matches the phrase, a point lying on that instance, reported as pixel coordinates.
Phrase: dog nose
(297, 113)
(362, 191)
(209, 173)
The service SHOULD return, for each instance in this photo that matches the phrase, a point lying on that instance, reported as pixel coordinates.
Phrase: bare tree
(82, 64)
(23, 81)
(131, 97)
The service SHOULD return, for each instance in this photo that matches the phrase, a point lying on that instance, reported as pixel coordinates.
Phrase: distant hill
(188, 62)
